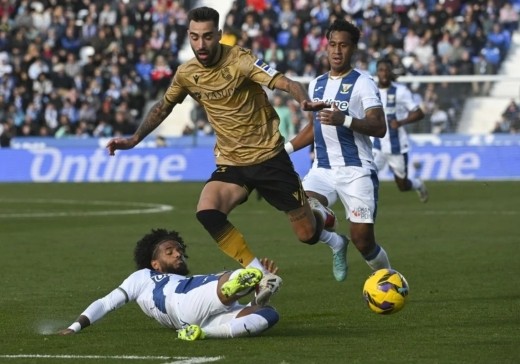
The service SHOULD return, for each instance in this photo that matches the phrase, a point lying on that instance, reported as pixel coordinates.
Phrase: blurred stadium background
(73, 73)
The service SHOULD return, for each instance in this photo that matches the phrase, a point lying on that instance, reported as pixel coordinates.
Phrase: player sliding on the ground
(198, 307)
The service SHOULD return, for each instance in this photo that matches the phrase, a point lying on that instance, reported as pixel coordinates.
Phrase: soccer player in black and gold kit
(228, 83)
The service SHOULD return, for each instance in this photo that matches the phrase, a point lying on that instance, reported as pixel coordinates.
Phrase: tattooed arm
(159, 111)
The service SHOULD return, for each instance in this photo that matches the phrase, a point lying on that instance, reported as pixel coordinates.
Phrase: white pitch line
(467, 212)
(177, 359)
(147, 208)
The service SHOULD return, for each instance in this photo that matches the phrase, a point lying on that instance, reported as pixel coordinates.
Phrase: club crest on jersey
(265, 67)
(226, 74)
(345, 88)
(390, 98)
(159, 277)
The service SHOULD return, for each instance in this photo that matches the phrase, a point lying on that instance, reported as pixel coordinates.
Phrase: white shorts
(398, 163)
(201, 306)
(357, 188)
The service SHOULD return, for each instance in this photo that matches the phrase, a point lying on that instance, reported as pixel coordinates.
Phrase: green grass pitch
(62, 246)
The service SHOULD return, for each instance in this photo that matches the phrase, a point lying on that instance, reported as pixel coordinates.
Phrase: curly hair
(341, 25)
(145, 247)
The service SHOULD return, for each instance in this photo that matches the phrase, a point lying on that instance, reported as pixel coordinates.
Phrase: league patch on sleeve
(265, 67)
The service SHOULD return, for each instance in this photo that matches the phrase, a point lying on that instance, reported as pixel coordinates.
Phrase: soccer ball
(385, 291)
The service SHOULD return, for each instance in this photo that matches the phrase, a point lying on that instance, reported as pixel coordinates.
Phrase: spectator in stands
(511, 114)
(424, 51)
(502, 127)
(508, 17)
(286, 126)
(161, 75)
(411, 41)
(65, 129)
(6, 133)
(491, 54)
(43, 36)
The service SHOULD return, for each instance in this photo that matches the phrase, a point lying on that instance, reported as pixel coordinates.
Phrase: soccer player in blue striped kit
(198, 307)
(401, 109)
(351, 112)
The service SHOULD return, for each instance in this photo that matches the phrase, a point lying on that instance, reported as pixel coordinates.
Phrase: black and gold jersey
(231, 92)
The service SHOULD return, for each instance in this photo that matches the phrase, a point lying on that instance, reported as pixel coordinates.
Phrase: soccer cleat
(339, 261)
(423, 192)
(268, 286)
(190, 333)
(330, 221)
(246, 278)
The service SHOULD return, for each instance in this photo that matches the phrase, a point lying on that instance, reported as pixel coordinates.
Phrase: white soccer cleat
(422, 192)
(269, 285)
(330, 222)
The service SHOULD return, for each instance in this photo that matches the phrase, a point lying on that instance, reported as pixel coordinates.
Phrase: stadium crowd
(88, 67)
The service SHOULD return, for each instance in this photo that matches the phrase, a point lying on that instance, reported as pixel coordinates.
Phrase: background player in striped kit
(400, 109)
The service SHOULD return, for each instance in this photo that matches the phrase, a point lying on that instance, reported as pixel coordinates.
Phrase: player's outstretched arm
(80, 323)
(295, 89)
(97, 310)
(157, 114)
(413, 117)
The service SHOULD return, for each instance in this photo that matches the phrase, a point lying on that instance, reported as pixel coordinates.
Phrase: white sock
(334, 240)
(380, 261)
(255, 263)
(317, 208)
(250, 325)
(416, 184)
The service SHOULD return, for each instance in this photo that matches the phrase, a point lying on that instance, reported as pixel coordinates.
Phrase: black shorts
(275, 180)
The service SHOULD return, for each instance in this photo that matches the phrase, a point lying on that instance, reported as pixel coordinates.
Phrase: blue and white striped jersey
(398, 102)
(162, 296)
(353, 94)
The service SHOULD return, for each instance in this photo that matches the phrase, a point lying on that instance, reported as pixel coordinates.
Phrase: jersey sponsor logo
(340, 104)
(215, 95)
(265, 67)
(361, 212)
(196, 78)
(345, 88)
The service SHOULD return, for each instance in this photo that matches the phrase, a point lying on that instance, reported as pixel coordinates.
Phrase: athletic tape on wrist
(75, 327)
(348, 121)
(289, 148)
